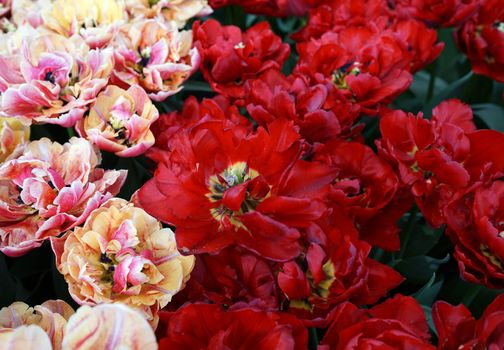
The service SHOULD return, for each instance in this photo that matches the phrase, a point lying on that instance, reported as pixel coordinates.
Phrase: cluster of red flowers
(271, 186)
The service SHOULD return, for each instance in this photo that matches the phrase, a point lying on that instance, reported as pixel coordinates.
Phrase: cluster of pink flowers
(95, 65)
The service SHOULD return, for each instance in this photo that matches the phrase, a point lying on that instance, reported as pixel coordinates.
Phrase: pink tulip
(119, 121)
(50, 189)
(53, 79)
(155, 56)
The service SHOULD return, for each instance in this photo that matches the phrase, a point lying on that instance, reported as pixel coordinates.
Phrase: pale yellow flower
(24, 338)
(115, 325)
(122, 254)
(28, 11)
(119, 121)
(94, 20)
(54, 326)
(51, 317)
(13, 136)
(178, 11)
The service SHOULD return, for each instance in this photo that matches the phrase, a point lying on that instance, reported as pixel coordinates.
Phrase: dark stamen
(105, 259)
(49, 76)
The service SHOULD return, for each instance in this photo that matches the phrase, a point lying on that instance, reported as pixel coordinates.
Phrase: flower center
(341, 73)
(237, 190)
(485, 250)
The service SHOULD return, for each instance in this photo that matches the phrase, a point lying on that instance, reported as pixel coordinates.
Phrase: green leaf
(451, 61)
(419, 269)
(428, 316)
(422, 240)
(421, 82)
(450, 92)
(491, 114)
(414, 99)
(250, 20)
(286, 25)
(199, 86)
(428, 293)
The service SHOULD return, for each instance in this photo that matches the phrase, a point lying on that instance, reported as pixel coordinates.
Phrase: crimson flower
(204, 326)
(220, 185)
(363, 65)
(437, 13)
(420, 40)
(331, 15)
(273, 96)
(429, 155)
(230, 57)
(398, 323)
(335, 268)
(482, 39)
(339, 16)
(366, 187)
(168, 124)
(232, 278)
(475, 225)
(278, 8)
(458, 330)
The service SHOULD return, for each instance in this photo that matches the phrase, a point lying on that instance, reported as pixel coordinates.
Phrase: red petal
(454, 324)
(265, 236)
(234, 196)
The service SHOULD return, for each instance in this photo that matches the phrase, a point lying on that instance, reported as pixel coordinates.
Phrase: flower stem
(432, 82)
(313, 338)
(410, 225)
(70, 132)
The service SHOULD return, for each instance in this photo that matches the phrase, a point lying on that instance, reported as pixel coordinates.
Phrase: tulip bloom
(24, 338)
(207, 326)
(155, 56)
(94, 20)
(54, 326)
(122, 254)
(363, 65)
(459, 330)
(53, 80)
(50, 189)
(119, 121)
(116, 325)
(177, 11)
(278, 8)
(13, 137)
(230, 57)
(397, 323)
(481, 38)
(51, 317)
(220, 185)
(334, 269)
(429, 155)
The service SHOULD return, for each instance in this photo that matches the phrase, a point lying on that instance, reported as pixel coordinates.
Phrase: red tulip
(221, 185)
(204, 326)
(230, 57)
